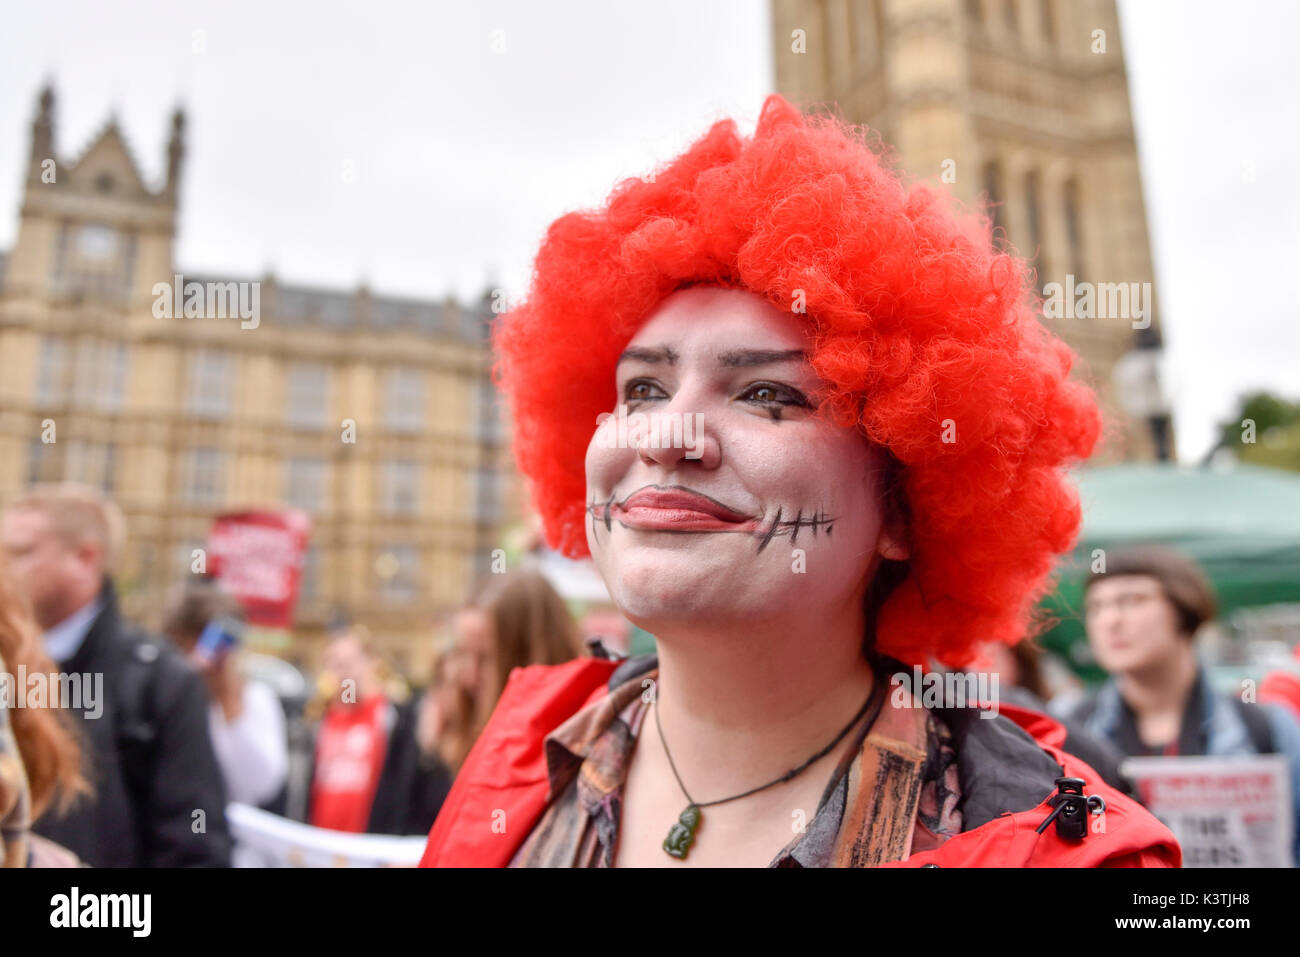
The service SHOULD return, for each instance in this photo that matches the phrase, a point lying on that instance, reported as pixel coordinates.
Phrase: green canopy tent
(1242, 523)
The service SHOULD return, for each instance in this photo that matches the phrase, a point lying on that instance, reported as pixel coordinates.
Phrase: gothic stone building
(181, 418)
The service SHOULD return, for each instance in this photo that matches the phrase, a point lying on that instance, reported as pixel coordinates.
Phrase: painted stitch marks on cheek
(818, 520)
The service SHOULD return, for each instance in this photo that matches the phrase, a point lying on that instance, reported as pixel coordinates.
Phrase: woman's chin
(666, 590)
(691, 600)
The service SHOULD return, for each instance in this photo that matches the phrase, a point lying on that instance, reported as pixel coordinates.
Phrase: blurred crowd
(137, 768)
(153, 736)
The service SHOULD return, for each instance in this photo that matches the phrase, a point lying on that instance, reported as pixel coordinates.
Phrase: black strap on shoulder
(1085, 710)
(1257, 725)
(136, 726)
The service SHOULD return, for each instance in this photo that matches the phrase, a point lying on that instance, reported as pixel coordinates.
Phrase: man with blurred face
(59, 569)
(353, 742)
(149, 750)
(347, 659)
(370, 772)
(1142, 615)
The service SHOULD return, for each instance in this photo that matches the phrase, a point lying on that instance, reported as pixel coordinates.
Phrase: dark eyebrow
(653, 356)
(740, 358)
(732, 358)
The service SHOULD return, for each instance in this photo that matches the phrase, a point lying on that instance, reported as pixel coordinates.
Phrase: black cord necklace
(682, 834)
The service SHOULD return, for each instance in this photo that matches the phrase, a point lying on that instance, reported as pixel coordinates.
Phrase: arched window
(1032, 216)
(993, 188)
(1073, 234)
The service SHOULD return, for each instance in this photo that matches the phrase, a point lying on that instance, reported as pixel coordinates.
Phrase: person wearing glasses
(1143, 612)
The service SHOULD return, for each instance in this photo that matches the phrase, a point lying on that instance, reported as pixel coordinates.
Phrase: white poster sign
(268, 840)
(1225, 811)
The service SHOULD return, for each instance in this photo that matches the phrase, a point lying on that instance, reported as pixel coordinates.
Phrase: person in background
(369, 774)
(1142, 615)
(245, 719)
(352, 739)
(15, 797)
(40, 758)
(516, 620)
(446, 712)
(1282, 686)
(159, 798)
(1022, 682)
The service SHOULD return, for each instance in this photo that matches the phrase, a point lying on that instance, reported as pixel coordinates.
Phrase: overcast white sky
(460, 154)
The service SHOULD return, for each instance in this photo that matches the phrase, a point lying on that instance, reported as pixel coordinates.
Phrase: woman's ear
(892, 543)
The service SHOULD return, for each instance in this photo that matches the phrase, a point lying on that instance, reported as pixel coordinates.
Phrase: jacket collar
(62, 641)
(98, 635)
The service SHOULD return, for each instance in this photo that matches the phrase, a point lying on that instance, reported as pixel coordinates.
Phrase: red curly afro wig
(926, 338)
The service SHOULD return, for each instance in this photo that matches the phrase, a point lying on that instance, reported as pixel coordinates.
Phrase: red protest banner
(258, 556)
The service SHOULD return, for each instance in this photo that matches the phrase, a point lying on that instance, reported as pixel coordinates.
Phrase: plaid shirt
(894, 793)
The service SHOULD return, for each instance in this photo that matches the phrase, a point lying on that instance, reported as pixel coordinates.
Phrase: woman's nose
(673, 438)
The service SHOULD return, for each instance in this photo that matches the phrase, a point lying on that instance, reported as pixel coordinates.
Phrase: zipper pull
(1070, 809)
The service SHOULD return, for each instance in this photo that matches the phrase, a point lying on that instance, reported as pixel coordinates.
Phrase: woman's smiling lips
(679, 509)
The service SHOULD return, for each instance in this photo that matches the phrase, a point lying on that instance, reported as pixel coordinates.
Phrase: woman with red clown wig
(803, 419)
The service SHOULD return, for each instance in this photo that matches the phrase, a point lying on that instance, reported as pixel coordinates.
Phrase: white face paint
(710, 531)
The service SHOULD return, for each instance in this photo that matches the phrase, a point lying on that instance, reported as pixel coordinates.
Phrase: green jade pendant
(682, 834)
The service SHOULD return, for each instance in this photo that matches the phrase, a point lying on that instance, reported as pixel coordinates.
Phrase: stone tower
(1024, 103)
(91, 227)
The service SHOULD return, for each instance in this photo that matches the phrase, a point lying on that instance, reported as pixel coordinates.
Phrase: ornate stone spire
(43, 132)
(175, 152)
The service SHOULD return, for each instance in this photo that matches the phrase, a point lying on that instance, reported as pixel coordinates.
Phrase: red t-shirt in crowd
(350, 753)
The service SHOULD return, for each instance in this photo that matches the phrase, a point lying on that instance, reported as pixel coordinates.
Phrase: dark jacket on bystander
(159, 799)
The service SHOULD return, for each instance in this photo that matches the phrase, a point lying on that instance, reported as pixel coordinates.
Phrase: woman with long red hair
(40, 756)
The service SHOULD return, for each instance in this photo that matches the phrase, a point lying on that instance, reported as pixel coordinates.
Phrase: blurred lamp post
(1138, 387)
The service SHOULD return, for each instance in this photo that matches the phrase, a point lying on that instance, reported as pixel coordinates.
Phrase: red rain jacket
(501, 791)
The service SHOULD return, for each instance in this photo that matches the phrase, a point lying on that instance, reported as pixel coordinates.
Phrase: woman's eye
(771, 394)
(775, 397)
(638, 390)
